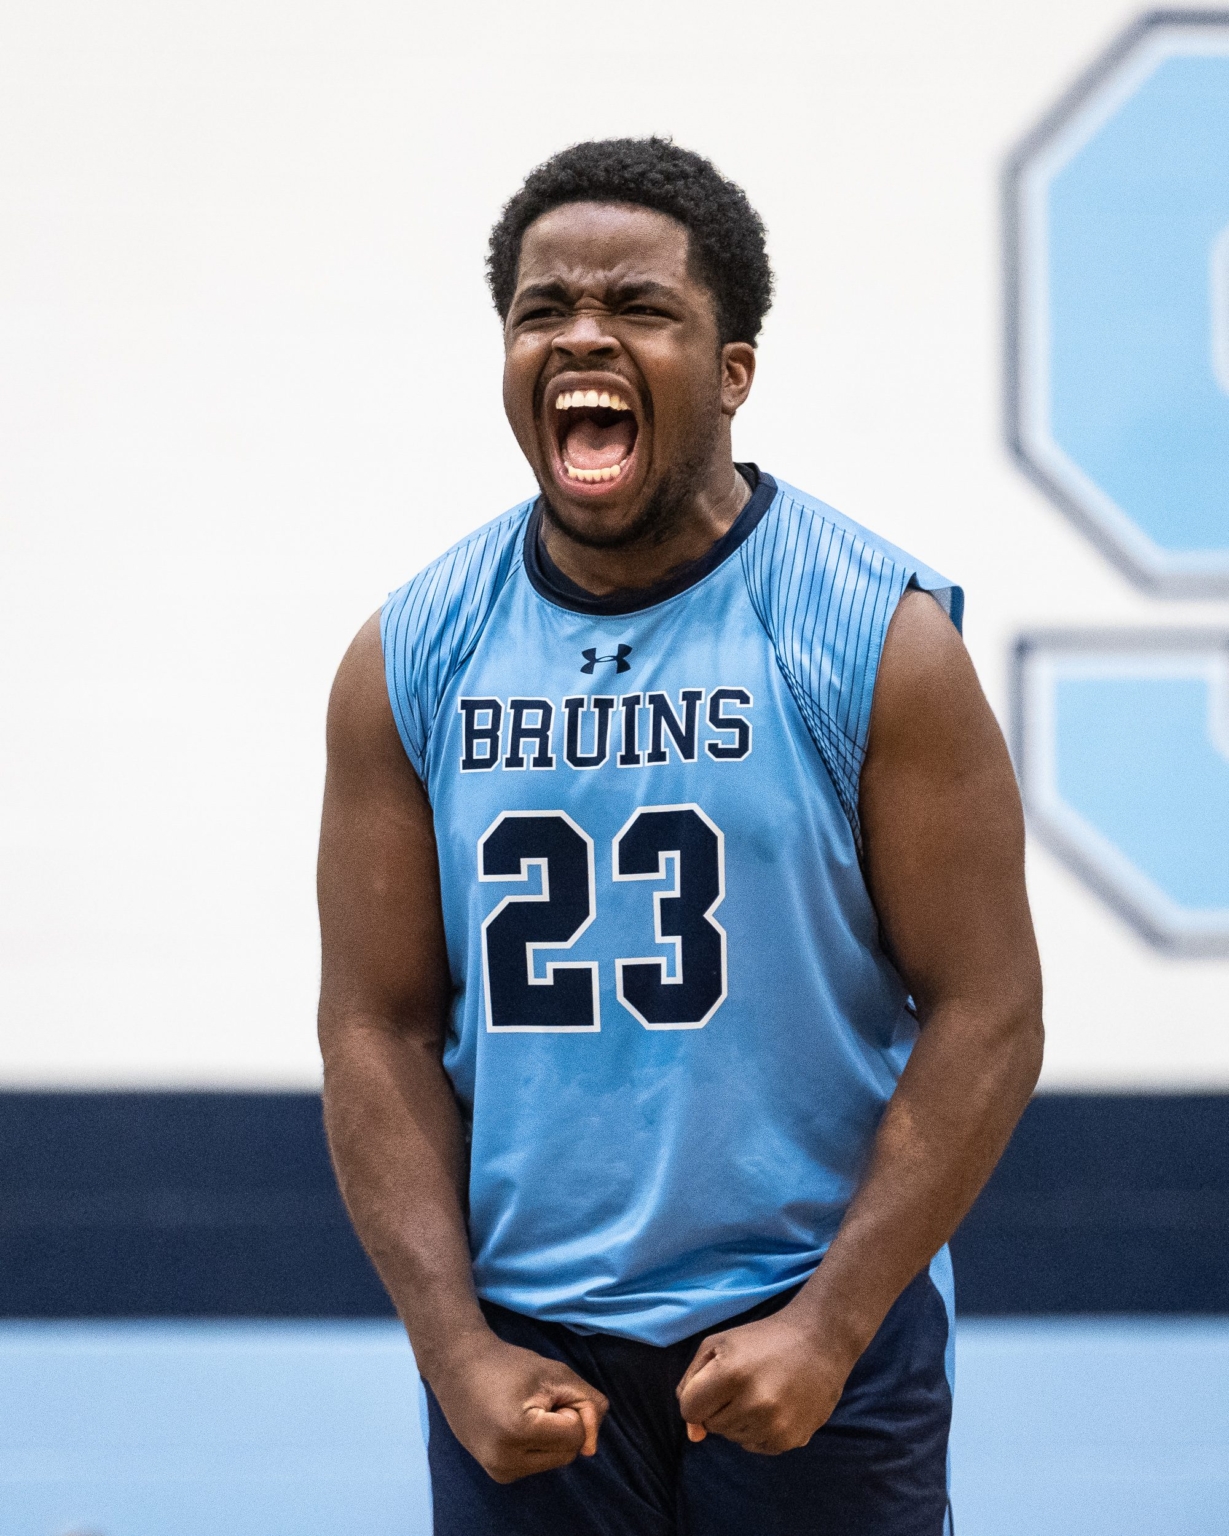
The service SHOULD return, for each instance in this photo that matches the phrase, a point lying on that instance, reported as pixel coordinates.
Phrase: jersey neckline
(551, 583)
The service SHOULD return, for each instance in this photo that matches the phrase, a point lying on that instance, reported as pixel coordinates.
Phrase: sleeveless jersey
(674, 1028)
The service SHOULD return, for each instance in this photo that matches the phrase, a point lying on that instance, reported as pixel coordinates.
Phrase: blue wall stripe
(223, 1205)
(174, 1205)
(1104, 1203)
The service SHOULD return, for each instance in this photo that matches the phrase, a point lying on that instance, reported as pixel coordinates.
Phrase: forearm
(944, 1129)
(398, 1145)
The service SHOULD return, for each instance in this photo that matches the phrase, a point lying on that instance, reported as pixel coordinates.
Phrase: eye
(539, 312)
(645, 309)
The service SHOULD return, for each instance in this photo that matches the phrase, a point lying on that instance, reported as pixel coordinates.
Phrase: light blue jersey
(674, 1028)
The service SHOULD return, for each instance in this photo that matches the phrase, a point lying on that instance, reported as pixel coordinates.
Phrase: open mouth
(596, 430)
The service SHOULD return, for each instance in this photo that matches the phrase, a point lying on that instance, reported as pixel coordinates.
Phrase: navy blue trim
(551, 583)
(224, 1205)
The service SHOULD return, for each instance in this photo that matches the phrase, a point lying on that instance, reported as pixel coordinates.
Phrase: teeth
(580, 399)
(591, 475)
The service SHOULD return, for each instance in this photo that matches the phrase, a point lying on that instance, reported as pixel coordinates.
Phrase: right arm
(393, 1123)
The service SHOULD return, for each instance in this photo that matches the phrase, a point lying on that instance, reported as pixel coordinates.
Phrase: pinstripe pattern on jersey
(430, 626)
(825, 590)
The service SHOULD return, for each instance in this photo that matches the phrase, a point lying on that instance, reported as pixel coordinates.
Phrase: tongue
(590, 446)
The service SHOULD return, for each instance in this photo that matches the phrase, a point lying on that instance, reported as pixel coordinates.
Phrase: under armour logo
(622, 652)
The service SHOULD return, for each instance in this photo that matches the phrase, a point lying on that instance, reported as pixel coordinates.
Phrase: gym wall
(250, 381)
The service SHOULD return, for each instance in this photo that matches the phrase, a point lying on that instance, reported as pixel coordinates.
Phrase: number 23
(678, 992)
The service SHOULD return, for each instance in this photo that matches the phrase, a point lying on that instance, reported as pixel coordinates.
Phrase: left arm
(944, 859)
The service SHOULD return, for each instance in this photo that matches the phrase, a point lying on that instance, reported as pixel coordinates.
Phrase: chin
(599, 527)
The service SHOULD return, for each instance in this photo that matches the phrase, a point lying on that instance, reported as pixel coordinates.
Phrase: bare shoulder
(937, 789)
(928, 699)
(380, 923)
(921, 628)
(942, 825)
(360, 715)
(358, 687)
(363, 745)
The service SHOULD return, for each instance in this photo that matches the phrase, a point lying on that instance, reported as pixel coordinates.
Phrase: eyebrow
(623, 292)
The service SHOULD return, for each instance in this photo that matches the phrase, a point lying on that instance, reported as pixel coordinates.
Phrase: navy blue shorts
(877, 1468)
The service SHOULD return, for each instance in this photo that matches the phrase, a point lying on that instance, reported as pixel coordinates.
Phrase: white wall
(249, 381)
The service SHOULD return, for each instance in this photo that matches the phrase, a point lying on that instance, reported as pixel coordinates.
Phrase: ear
(737, 373)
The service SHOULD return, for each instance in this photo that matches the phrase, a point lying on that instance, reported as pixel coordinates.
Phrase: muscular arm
(393, 1123)
(944, 859)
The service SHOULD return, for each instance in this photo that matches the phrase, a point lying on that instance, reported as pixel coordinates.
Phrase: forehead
(581, 242)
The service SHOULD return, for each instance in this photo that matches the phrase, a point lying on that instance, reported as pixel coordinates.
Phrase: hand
(516, 1412)
(768, 1386)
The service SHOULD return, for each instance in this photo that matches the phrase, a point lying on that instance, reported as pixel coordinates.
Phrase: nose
(585, 336)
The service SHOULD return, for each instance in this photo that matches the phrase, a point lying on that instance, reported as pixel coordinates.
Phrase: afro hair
(726, 234)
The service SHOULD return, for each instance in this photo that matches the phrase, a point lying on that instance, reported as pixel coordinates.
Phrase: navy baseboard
(223, 1205)
(1104, 1203)
(174, 1205)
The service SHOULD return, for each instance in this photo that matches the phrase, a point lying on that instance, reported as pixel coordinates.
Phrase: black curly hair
(726, 234)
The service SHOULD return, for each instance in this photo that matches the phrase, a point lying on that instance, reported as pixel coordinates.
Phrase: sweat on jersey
(674, 1028)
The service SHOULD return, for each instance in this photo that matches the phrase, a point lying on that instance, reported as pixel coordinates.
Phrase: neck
(706, 516)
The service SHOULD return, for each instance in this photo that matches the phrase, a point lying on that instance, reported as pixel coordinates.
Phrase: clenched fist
(515, 1411)
(768, 1385)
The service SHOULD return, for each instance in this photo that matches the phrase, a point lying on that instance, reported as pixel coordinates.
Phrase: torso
(670, 1114)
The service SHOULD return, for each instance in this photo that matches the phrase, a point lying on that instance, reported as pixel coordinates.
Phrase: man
(675, 932)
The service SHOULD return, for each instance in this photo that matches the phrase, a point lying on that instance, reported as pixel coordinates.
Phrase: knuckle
(789, 1437)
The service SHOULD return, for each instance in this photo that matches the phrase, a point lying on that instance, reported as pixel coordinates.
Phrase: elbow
(1033, 1050)
(1025, 1032)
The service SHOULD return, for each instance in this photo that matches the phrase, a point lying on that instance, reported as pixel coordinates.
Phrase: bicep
(942, 824)
(382, 937)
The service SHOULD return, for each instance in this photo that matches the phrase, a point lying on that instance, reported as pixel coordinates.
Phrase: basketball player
(679, 986)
